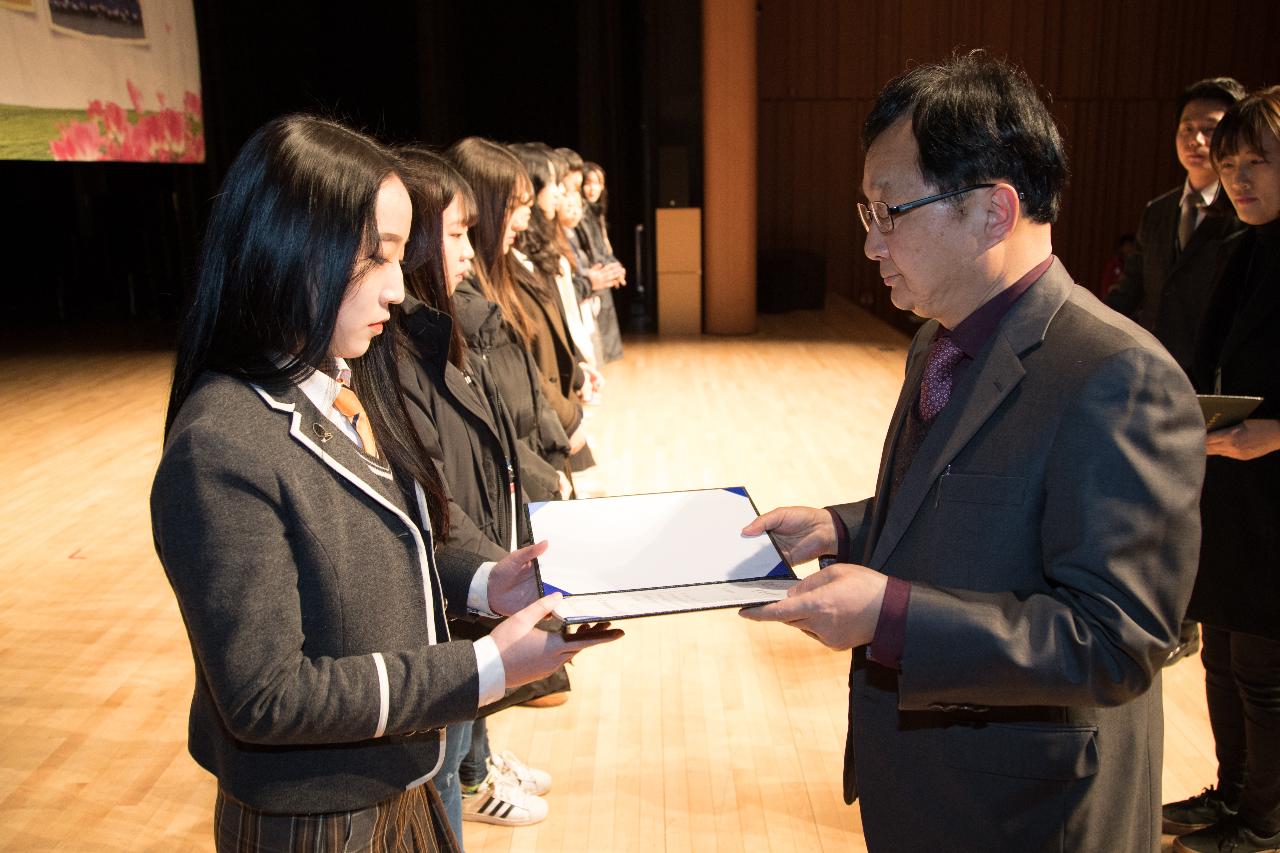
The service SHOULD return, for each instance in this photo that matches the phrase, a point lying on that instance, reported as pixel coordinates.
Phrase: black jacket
(1236, 588)
(1167, 291)
(462, 421)
(544, 445)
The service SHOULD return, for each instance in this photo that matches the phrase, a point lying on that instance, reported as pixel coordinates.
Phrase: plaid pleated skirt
(411, 822)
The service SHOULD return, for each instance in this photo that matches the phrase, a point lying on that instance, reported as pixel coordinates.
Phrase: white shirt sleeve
(478, 593)
(493, 675)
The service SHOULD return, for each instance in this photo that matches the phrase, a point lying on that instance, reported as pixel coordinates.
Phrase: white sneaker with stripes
(498, 801)
(505, 767)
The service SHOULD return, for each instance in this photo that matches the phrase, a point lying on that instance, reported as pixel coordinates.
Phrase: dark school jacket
(466, 428)
(313, 599)
(544, 443)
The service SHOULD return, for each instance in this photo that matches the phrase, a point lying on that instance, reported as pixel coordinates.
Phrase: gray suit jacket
(1049, 527)
(313, 601)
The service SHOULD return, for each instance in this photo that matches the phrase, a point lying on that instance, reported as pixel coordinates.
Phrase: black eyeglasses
(882, 214)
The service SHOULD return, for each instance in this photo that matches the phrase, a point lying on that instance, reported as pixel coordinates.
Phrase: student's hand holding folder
(529, 653)
(513, 584)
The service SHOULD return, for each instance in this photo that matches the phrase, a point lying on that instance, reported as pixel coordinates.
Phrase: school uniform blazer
(1049, 528)
(313, 602)
(1165, 290)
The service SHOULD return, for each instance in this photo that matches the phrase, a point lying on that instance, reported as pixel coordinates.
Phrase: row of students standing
(525, 305)
(342, 472)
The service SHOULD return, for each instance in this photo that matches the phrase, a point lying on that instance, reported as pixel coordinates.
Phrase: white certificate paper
(643, 555)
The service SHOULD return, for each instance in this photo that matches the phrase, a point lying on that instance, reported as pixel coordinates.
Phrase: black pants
(1242, 684)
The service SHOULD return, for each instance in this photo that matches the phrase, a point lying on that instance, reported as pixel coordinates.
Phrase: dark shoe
(551, 700)
(1187, 647)
(1229, 835)
(1204, 809)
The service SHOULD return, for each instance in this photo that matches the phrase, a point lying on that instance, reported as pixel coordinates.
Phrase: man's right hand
(529, 653)
(802, 532)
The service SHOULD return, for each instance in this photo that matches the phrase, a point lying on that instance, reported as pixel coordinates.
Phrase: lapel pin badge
(321, 433)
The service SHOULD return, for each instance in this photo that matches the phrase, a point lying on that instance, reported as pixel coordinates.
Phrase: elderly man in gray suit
(1014, 585)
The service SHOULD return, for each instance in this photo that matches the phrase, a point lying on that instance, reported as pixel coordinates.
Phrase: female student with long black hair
(548, 273)
(293, 512)
(504, 201)
(457, 411)
(534, 264)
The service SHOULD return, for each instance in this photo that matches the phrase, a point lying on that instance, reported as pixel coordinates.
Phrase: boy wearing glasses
(1014, 585)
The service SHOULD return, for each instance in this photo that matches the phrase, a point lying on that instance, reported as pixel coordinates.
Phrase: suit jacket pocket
(982, 489)
(1024, 750)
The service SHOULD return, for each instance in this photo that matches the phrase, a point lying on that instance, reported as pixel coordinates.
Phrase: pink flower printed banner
(100, 80)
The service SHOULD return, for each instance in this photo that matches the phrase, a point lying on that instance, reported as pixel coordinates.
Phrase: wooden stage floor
(697, 732)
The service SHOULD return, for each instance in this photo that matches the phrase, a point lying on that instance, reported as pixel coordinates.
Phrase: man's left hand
(838, 606)
(512, 584)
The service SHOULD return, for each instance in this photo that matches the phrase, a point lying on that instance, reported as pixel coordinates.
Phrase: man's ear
(1004, 211)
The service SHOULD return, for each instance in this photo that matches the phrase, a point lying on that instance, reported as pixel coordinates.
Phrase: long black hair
(600, 207)
(433, 184)
(500, 184)
(293, 227)
(538, 241)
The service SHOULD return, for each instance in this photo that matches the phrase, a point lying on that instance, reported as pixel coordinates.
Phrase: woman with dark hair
(1236, 596)
(538, 268)
(493, 318)
(505, 193)
(457, 411)
(294, 510)
(550, 274)
(593, 232)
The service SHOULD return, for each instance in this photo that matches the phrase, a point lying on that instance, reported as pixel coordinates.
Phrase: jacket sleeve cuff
(842, 542)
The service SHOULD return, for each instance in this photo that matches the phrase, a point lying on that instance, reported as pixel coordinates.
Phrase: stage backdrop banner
(100, 80)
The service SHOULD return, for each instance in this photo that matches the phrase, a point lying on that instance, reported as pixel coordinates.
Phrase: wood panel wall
(1113, 71)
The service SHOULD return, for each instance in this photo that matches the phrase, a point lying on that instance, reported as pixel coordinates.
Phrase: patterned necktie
(935, 388)
(349, 405)
(1191, 204)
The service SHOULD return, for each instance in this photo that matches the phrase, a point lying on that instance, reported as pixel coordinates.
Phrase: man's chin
(900, 298)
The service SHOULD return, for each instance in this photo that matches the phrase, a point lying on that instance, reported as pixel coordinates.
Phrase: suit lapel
(321, 437)
(917, 360)
(986, 384)
(308, 427)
